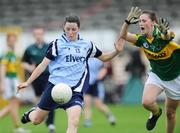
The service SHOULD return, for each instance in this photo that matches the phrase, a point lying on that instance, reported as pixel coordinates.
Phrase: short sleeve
(52, 51)
(95, 51)
(139, 41)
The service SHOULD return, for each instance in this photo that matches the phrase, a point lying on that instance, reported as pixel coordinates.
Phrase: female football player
(163, 54)
(67, 61)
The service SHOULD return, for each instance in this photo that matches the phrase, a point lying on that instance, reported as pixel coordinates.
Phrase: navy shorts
(47, 103)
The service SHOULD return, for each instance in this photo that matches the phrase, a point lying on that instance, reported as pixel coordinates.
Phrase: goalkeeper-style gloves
(163, 26)
(133, 16)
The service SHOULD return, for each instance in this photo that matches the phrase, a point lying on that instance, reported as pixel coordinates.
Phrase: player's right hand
(22, 85)
(133, 16)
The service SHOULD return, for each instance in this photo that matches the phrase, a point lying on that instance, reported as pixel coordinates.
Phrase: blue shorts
(47, 103)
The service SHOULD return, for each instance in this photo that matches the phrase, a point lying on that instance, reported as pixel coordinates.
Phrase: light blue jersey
(69, 61)
(95, 65)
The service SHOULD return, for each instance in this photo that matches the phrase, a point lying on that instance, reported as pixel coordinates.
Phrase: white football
(61, 93)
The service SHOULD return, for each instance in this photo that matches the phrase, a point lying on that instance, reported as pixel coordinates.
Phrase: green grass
(130, 119)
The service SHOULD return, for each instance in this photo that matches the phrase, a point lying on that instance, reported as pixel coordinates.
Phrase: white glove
(163, 26)
(133, 16)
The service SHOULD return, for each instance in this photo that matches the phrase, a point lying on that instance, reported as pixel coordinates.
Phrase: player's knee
(74, 122)
(36, 121)
(147, 102)
(171, 114)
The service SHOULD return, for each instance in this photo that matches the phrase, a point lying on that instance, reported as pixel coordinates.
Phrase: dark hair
(72, 19)
(151, 14)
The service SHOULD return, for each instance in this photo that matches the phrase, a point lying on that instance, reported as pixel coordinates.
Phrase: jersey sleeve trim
(52, 51)
(138, 43)
(95, 51)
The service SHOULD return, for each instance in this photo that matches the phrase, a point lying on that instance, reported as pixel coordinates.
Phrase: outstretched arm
(127, 35)
(39, 69)
(132, 18)
(109, 55)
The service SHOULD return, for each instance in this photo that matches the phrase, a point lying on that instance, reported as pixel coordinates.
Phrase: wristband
(127, 22)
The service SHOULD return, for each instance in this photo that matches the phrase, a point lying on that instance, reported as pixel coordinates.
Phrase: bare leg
(74, 114)
(87, 107)
(104, 108)
(5, 111)
(149, 102)
(14, 111)
(149, 98)
(101, 106)
(171, 106)
(38, 115)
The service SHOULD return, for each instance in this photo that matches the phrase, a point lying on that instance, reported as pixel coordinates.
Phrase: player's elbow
(124, 36)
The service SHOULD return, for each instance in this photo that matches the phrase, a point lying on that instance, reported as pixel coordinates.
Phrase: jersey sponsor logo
(156, 56)
(164, 53)
(71, 58)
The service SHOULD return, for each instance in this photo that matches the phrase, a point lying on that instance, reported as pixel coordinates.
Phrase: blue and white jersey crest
(69, 61)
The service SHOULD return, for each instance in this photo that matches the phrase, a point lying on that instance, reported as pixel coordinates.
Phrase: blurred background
(100, 22)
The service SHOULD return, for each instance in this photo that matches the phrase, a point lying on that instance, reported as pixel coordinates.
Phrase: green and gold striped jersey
(163, 55)
(10, 61)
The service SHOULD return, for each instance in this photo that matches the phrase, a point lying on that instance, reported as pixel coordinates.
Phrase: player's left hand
(163, 26)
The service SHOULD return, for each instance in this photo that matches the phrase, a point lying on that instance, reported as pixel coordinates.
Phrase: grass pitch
(130, 119)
